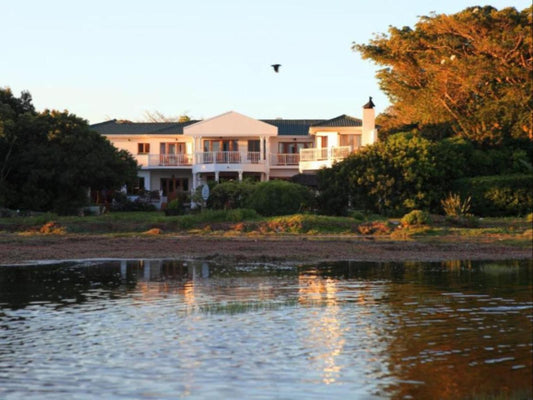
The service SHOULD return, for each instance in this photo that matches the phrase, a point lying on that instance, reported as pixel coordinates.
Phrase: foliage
(307, 223)
(49, 160)
(177, 205)
(454, 206)
(230, 195)
(498, 195)
(375, 228)
(416, 217)
(333, 198)
(403, 173)
(467, 73)
(279, 198)
(121, 202)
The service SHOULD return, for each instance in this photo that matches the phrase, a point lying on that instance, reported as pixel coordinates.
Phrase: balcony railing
(281, 159)
(170, 160)
(325, 153)
(229, 157)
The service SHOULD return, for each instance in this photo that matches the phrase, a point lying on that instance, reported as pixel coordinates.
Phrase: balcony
(316, 158)
(325, 153)
(229, 157)
(284, 159)
(169, 160)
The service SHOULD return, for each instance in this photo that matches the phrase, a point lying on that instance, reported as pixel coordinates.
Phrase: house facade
(179, 157)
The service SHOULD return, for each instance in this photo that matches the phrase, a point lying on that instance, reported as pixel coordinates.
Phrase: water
(171, 329)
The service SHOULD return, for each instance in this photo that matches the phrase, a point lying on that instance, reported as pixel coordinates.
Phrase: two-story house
(180, 156)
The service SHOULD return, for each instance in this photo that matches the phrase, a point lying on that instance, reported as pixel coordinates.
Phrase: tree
(403, 173)
(156, 116)
(468, 72)
(51, 159)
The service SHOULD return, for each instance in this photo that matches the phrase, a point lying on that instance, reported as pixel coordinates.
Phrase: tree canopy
(467, 73)
(49, 160)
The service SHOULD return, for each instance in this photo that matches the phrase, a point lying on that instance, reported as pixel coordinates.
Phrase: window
(220, 145)
(354, 141)
(143, 148)
(291, 147)
(172, 148)
(253, 146)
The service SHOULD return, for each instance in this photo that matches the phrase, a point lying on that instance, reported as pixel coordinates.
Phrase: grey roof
(292, 126)
(116, 127)
(286, 127)
(340, 121)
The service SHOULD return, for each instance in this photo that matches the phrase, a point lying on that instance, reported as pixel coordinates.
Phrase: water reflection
(167, 329)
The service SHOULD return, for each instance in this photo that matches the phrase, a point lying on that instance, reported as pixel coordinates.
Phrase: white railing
(169, 160)
(340, 153)
(325, 153)
(284, 159)
(229, 157)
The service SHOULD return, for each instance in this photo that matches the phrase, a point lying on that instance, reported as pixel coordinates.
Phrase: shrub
(230, 195)
(529, 217)
(357, 215)
(279, 198)
(416, 217)
(453, 206)
(121, 202)
(499, 195)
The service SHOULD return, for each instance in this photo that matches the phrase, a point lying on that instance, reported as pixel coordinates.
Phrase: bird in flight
(276, 67)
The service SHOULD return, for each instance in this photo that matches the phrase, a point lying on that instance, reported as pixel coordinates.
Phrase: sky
(104, 59)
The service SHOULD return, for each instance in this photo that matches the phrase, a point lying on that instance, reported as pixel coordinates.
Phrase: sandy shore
(15, 249)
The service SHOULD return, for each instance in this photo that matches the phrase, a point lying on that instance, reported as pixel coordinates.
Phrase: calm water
(169, 329)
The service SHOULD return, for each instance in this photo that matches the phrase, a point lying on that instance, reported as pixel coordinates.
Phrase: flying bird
(276, 67)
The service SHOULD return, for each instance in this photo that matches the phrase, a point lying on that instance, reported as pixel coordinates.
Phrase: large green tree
(49, 160)
(400, 174)
(467, 73)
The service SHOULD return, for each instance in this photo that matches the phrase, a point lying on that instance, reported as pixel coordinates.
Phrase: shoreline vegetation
(237, 236)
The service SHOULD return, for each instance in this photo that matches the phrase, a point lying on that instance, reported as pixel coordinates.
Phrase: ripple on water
(141, 330)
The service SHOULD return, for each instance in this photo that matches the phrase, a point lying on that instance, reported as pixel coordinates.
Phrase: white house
(180, 156)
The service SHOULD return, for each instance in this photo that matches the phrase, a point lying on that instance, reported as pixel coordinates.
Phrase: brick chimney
(369, 135)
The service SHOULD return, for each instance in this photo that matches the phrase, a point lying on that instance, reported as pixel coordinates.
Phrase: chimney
(369, 134)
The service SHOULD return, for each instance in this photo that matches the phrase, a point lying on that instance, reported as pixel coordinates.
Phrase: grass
(248, 222)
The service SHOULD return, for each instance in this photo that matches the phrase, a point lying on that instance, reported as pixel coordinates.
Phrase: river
(170, 329)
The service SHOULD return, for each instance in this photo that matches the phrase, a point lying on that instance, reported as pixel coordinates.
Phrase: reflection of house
(178, 157)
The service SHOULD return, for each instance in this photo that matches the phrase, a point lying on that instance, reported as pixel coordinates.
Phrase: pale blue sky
(117, 59)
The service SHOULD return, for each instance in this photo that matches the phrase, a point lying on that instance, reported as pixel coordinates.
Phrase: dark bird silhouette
(276, 67)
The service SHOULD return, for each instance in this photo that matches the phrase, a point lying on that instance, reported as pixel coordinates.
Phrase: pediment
(230, 124)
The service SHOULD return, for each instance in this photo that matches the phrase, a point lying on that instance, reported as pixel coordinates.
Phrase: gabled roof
(292, 126)
(231, 124)
(116, 127)
(340, 121)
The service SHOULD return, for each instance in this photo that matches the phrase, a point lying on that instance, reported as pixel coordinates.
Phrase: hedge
(498, 195)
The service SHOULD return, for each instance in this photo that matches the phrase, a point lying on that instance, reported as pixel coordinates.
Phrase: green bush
(357, 215)
(416, 217)
(279, 198)
(230, 195)
(499, 195)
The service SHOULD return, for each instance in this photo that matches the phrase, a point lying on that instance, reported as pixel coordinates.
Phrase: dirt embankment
(16, 249)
